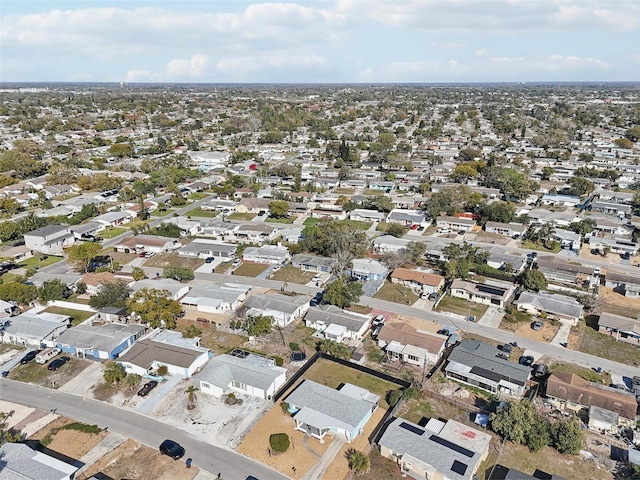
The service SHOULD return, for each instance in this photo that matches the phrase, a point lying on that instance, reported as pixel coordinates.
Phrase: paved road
(149, 431)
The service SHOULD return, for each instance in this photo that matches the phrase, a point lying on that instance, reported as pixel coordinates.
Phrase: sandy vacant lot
(71, 443)
(523, 329)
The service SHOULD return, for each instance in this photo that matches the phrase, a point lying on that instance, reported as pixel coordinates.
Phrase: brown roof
(422, 278)
(145, 352)
(568, 386)
(406, 334)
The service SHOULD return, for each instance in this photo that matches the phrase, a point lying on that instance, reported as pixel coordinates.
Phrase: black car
(147, 387)
(526, 360)
(209, 260)
(540, 370)
(58, 362)
(172, 449)
(28, 357)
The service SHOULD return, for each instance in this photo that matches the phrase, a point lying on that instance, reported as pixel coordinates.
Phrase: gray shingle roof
(20, 462)
(224, 369)
(103, 337)
(277, 302)
(552, 303)
(330, 314)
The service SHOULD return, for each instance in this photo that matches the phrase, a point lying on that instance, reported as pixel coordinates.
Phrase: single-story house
(147, 243)
(417, 280)
(214, 298)
(559, 200)
(552, 304)
(283, 308)
(20, 461)
(455, 223)
(69, 279)
(364, 215)
(405, 343)
(542, 216)
(389, 243)
(367, 269)
(574, 393)
(476, 363)
(615, 245)
(567, 239)
(99, 342)
(560, 270)
(34, 329)
(85, 230)
(113, 219)
(311, 263)
(50, 239)
(204, 248)
(272, 254)
(342, 413)
(186, 226)
(181, 356)
(112, 314)
(256, 232)
(408, 217)
(491, 292)
(253, 205)
(624, 283)
(16, 254)
(175, 289)
(610, 208)
(438, 450)
(247, 374)
(220, 228)
(336, 324)
(511, 229)
(623, 328)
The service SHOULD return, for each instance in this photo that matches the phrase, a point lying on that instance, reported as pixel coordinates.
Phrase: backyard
(461, 306)
(290, 274)
(77, 316)
(213, 339)
(393, 292)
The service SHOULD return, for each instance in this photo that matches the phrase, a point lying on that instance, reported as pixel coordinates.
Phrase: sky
(319, 41)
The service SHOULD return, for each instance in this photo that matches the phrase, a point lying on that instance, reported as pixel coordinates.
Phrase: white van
(444, 230)
(46, 355)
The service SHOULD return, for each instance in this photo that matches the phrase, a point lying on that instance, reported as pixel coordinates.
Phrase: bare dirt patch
(523, 329)
(70, 442)
(170, 260)
(612, 302)
(132, 460)
(33, 372)
(612, 258)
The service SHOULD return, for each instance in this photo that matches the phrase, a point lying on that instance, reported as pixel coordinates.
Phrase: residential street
(146, 430)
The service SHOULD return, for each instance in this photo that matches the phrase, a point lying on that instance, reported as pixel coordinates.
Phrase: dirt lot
(612, 258)
(68, 441)
(523, 329)
(135, 461)
(33, 372)
(612, 302)
(170, 260)
(292, 275)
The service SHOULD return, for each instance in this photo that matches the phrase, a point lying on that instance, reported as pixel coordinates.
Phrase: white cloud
(257, 63)
(194, 67)
(137, 76)
(483, 52)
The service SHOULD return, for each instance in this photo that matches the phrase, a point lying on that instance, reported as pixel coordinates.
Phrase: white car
(276, 268)
(237, 262)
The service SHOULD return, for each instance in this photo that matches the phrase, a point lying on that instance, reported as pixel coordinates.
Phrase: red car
(414, 226)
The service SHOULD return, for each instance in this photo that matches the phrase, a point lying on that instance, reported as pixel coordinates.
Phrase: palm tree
(113, 373)
(358, 461)
(132, 380)
(191, 397)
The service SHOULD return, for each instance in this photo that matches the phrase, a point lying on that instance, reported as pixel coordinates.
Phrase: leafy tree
(580, 186)
(358, 461)
(451, 201)
(191, 332)
(53, 290)
(335, 349)
(396, 230)
(513, 422)
(81, 254)
(278, 208)
(498, 211)
(623, 143)
(547, 171)
(539, 435)
(342, 293)
(381, 203)
(113, 373)
(178, 273)
(414, 251)
(511, 183)
(8, 231)
(9, 206)
(138, 273)
(533, 280)
(567, 436)
(18, 292)
(392, 260)
(393, 397)
(279, 442)
(166, 229)
(583, 226)
(155, 307)
(112, 294)
(340, 241)
(121, 150)
(132, 380)
(258, 325)
(81, 288)
(633, 133)
(461, 173)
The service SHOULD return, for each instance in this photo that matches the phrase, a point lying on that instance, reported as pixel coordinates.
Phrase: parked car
(378, 321)
(149, 254)
(147, 387)
(29, 357)
(236, 262)
(420, 229)
(142, 255)
(414, 226)
(506, 350)
(172, 449)
(434, 296)
(526, 360)
(57, 363)
(537, 325)
(540, 370)
(209, 260)
(276, 268)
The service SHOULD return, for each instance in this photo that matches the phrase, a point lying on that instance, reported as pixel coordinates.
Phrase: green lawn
(250, 269)
(344, 191)
(396, 293)
(358, 224)
(35, 262)
(290, 274)
(279, 220)
(199, 195)
(111, 232)
(77, 316)
(196, 212)
(333, 374)
(586, 373)
(461, 307)
(368, 191)
(415, 409)
(242, 216)
(535, 246)
(311, 221)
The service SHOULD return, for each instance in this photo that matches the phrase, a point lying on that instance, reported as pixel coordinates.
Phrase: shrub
(191, 332)
(294, 346)
(163, 370)
(285, 407)
(279, 361)
(279, 442)
(393, 396)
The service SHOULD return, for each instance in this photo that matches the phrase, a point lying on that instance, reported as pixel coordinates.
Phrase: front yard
(461, 306)
(196, 212)
(39, 374)
(171, 260)
(290, 274)
(396, 293)
(111, 232)
(280, 220)
(250, 269)
(588, 340)
(242, 216)
(35, 261)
